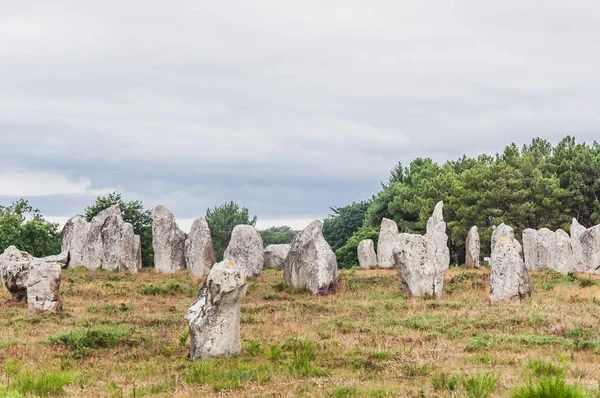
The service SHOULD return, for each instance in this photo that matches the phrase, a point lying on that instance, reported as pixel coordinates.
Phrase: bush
(481, 385)
(302, 355)
(547, 387)
(347, 255)
(83, 341)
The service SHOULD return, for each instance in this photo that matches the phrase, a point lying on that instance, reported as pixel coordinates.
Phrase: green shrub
(83, 341)
(347, 255)
(170, 289)
(444, 382)
(302, 355)
(480, 385)
(541, 368)
(547, 387)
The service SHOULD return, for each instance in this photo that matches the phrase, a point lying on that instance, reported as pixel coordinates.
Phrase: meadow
(124, 335)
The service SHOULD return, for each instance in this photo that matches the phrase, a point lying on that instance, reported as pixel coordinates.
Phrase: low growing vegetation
(126, 336)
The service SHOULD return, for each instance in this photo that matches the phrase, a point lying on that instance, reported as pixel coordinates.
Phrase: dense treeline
(535, 186)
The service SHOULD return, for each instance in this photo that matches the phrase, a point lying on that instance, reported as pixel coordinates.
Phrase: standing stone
(530, 248)
(576, 231)
(366, 254)
(509, 278)
(74, 236)
(562, 259)
(199, 252)
(214, 318)
(111, 243)
(43, 287)
(385, 245)
(275, 256)
(311, 263)
(586, 247)
(546, 249)
(246, 249)
(168, 242)
(423, 260)
(14, 269)
(130, 250)
(473, 248)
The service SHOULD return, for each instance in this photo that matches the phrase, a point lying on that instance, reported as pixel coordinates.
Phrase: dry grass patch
(122, 334)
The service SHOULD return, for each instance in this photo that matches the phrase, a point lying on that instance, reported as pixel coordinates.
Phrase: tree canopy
(277, 235)
(24, 227)
(534, 186)
(221, 220)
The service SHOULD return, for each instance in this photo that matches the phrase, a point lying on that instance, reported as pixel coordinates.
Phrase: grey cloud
(286, 108)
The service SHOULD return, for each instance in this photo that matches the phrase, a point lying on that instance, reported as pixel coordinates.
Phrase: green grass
(479, 385)
(83, 341)
(548, 387)
(40, 385)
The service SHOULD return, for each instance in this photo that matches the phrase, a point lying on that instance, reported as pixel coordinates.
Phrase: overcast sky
(286, 107)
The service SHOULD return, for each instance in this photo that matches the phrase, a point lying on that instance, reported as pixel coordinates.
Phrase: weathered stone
(74, 237)
(14, 269)
(423, 260)
(311, 263)
(547, 249)
(576, 231)
(246, 249)
(415, 269)
(111, 243)
(586, 247)
(168, 242)
(473, 248)
(509, 278)
(385, 245)
(214, 318)
(275, 256)
(199, 252)
(63, 259)
(366, 254)
(43, 287)
(562, 259)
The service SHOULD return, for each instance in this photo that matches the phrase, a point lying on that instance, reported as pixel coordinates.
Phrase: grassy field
(125, 335)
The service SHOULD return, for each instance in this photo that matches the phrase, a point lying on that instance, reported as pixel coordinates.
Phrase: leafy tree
(133, 213)
(24, 227)
(277, 235)
(221, 221)
(339, 227)
(347, 255)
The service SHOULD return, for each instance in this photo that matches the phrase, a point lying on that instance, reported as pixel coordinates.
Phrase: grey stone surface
(214, 318)
(586, 247)
(111, 243)
(168, 242)
(14, 269)
(385, 245)
(423, 260)
(509, 278)
(275, 256)
(547, 249)
(366, 254)
(246, 249)
(199, 252)
(43, 287)
(311, 262)
(473, 249)
(63, 259)
(74, 237)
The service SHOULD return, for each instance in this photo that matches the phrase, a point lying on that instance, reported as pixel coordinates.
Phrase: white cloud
(26, 183)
